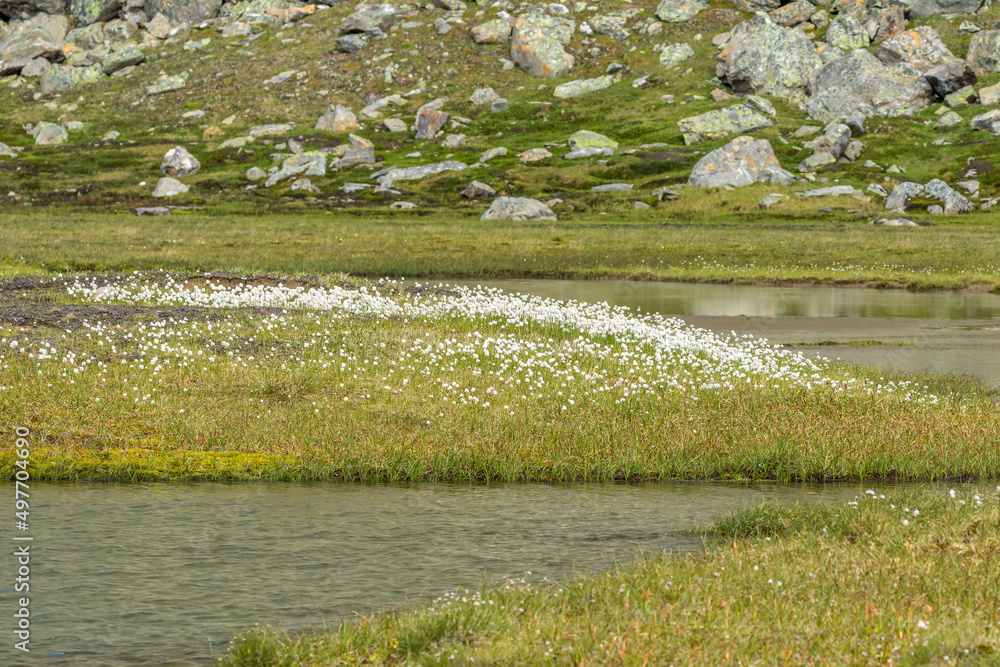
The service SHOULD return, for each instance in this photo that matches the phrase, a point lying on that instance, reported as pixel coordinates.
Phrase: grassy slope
(228, 78)
(865, 585)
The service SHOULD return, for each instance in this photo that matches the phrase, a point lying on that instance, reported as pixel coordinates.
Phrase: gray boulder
(722, 123)
(674, 54)
(387, 177)
(481, 96)
(477, 190)
(64, 77)
(792, 14)
(179, 162)
(93, 11)
(351, 43)
(579, 87)
(167, 83)
(169, 187)
(536, 45)
(23, 41)
(860, 83)
(847, 33)
(369, 20)
(989, 121)
(679, 11)
(612, 27)
(305, 164)
(179, 12)
(950, 200)
(763, 58)
(950, 77)
(518, 209)
(359, 151)
(47, 134)
(984, 52)
(834, 140)
(26, 9)
(923, 8)
(125, 57)
(337, 118)
(430, 119)
(742, 161)
(496, 31)
(920, 47)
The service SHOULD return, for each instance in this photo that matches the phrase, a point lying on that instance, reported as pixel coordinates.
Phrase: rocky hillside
(887, 107)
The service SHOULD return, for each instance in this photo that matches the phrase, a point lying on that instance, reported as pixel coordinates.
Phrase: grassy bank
(149, 379)
(908, 579)
(698, 244)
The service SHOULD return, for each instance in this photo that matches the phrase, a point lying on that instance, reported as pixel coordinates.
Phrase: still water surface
(166, 574)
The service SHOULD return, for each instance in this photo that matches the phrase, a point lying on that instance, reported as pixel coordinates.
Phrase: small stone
(478, 190)
(483, 96)
(641, 206)
(151, 210)
(499, 105)
(948, 119)
(534, 155)
(395, 125)
(770, 200)
(453, 140)
(518, 209)
(179, 162)
(338, 118)
(612, 187)
(894, 222)
(255, 174)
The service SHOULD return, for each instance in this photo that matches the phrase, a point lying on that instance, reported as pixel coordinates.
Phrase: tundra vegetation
(330, 146)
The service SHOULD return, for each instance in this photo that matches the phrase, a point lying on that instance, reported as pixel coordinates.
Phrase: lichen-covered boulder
(588, 139)
(477, 190)
(847, 33)
(127, 56)
(536, 45)
(430, 119)
(170, 187)
(387, 177)
(612, 27)
(94, 11)
(359, 151)
(756, 5)
(923, 8)
(47, 134)
(338, 118)
(369, 20)
(984, 52)
(920, 47)
(64, 77)
(950, 77)
(581, 86)
(951, 200)
(722, 123)
(26, 9)
(679, 11)
(496, 31)
(481, 96)
(183, 11)
(674, 54)
(792, 14)
(763, 58)
(861, 83)
(518, 209)
(742, 161)
(40, 36)
(891, 22)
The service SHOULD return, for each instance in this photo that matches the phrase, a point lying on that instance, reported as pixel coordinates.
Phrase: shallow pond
(938, 332)
(166, 574)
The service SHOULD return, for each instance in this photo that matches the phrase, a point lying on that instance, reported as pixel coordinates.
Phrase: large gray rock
(496, 31)
(47, 134)
(359, 151)
(763, 58)
(481, 96)
(792, 14)
(94, 11)
(582, 86)
(178, 162)
(675, 54)
(25, 9)
(304, 164)
(860, 82)
(338, 118)
(182, 11)
(518, 208)
(387, 177)
(166, 83)
(847, 33)
(87, 37)
(989, 121)
(125, 57)
(920, 47)
(536, 45)
(21, 42)
(369, 20)
(923, 8)
(612, 27)
(478, 190)
(949, 199)
(169, 187)
(430, 119)
(64, 77)
(722, 123)
(742, 161)
(679, 11)
(984, 52)
(950, 77)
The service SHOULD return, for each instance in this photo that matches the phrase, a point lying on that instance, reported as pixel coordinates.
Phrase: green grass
(241, 395)
(682, 245)
(911, 577)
